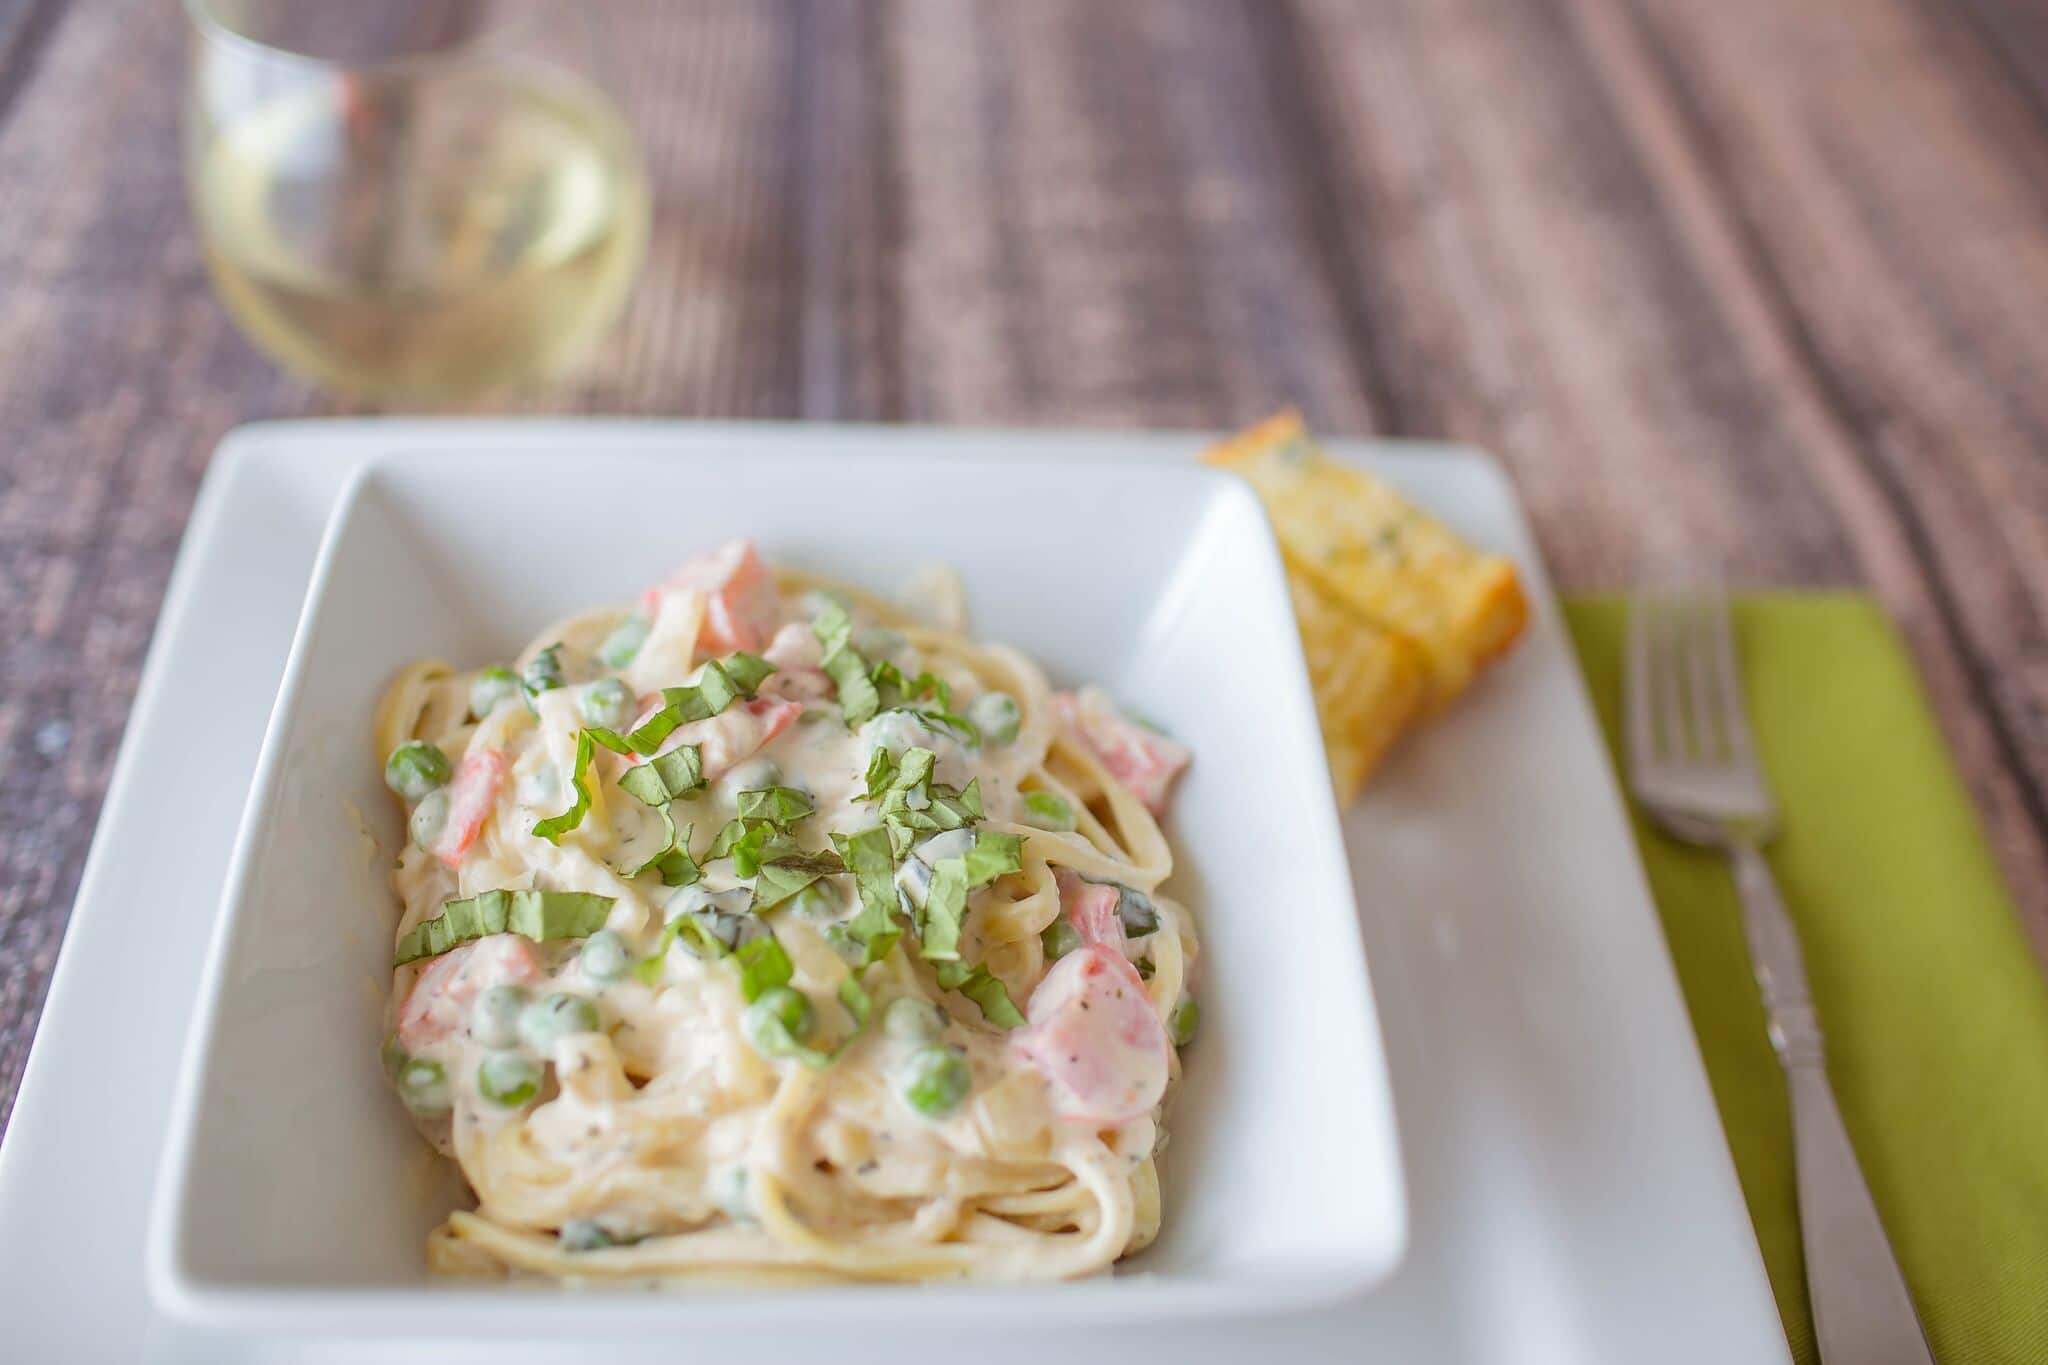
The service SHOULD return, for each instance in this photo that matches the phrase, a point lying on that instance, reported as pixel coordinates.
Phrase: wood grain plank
(25, 26)
(1099, 223)
(1546, 307)
(1884, 180)
(2015, 35)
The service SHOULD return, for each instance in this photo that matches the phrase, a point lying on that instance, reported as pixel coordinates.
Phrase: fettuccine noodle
(908, 1126)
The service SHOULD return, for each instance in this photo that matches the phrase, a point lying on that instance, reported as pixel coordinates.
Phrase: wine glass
(413, 199)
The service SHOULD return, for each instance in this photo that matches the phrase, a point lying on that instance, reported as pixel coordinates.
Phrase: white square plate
(292, 1195)
(1570, 1194)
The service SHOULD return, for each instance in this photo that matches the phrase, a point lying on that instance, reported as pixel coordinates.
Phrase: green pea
(428, 818)
(605, 956)
(622, 646)
(996, 716)
(1059, 938)
(423, 1086)
(416, 768)
(494, 1018)
(1183, 1021)
(491, 688)
(584, 1234)
(937, 1079)
(509, 1078)
(607, 702)
(555, 1017)
(913, 1020)
(1048, 810)
(779, 1020)
(544, 671)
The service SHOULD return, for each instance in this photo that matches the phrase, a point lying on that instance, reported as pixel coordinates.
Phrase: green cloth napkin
(1934, 1006)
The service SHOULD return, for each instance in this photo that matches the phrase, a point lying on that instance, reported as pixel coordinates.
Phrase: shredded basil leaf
(945, 906)
(778, 883)
(896, 693)
(672, 860)
(673, 775)
(858, 700)
(610, 739)
(993, 855)
(720, 683)
(868, 857)
(539, 915)
(881, 773)
(776, 805)
(762, 963)
(855, 997)
(984, 990)
(555, 826)
(747, 671)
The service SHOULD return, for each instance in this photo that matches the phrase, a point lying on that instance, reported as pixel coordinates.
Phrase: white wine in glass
(413, 200)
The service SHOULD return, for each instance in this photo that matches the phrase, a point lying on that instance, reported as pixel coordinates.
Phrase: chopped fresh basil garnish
(894, 692)
(945, 906)
(867, 856)
(720, 683)
(913, 804)
(855, 997)
(673, 775)
(539, 915)
(672, 859)
(984, 990)
(777, 805)
(777, 883)
(763, 963)
(881, 772)
(993, 855)
(858, 700)
(555, 826)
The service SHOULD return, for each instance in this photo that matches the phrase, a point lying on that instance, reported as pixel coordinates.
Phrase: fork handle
(1862, 1314)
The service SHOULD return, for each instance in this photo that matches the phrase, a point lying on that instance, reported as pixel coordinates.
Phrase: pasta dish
(768, 930)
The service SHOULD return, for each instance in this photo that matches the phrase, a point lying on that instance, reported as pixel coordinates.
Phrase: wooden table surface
(1768, 279)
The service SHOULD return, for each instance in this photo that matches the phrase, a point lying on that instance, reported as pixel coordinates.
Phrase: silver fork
(1692, 765)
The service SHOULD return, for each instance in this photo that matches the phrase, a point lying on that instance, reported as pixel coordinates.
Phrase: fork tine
(1667, 672)
(1728, 680)
(1639, 720)
(1703, 701)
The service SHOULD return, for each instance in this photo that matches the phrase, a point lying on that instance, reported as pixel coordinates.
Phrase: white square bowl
(294, 1194)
